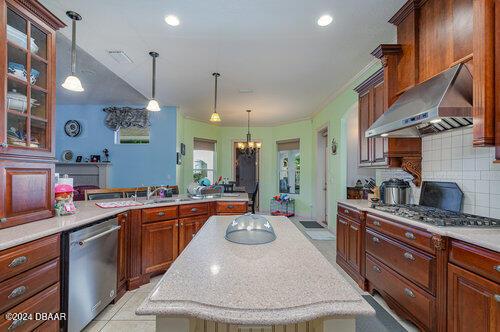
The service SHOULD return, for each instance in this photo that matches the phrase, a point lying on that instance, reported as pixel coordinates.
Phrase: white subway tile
(436, 166)
(426, 166)
(494, 213)
(471, 175)
(446, 154)
(436, 155)
(494, 166)
(495, 175)
(483, 152)
(436, 143)
(483, 164)
(482, 211)
(446, 142)
(483, 200)
(456, 166)
(467, 131)
(495, 201)
(456, 153)
(446, 165)
(485, 175)
(469, 164)
(468, 151)
(456, 141)
(469, 198)
(495, 187)
(468, 209)
(457, 132)
(426, 146)
(427, 175)
(482, 187)
(469, 186)
(467, 139)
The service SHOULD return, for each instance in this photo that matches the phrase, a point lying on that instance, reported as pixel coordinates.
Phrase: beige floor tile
(127, 312)
(112, 309)
(130, 326)
(149, 287)
(95, 326)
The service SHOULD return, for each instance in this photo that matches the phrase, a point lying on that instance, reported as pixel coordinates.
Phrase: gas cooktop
(437, 217)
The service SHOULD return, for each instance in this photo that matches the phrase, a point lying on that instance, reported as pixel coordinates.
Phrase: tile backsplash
(450, 156)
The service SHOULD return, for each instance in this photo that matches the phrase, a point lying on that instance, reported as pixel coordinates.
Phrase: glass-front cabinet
(29, 88)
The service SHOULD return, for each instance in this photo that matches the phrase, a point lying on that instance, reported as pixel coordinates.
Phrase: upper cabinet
(27, 92)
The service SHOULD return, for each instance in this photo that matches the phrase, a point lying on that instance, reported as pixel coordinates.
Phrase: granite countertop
(484, 237)
(282, 282)
(87, 212)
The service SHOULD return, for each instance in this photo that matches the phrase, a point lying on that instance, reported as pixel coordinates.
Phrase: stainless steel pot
(395, 191)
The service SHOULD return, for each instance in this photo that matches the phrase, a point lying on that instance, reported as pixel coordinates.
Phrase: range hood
(441, 103)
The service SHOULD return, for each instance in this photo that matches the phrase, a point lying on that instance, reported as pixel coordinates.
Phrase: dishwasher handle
(95, 237)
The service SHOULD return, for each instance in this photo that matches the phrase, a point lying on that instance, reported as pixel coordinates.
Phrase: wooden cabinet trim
(476, 259)
(187, 210)
(227, 207)
(160, 214)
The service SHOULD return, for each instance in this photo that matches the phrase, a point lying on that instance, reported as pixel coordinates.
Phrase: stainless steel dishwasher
(90, 272)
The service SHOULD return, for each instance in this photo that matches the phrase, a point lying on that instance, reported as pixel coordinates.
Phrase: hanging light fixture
(72, 82)
(215, 116)
(153, 105)
(249, 148)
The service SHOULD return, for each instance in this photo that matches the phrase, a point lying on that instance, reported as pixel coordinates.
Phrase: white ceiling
(272, 47)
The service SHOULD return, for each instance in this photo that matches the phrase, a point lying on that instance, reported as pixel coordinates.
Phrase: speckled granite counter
(282, 282)
(87, 212)
(484, 237)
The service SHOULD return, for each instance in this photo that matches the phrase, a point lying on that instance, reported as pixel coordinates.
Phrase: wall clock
(72, 128)
(67, 155)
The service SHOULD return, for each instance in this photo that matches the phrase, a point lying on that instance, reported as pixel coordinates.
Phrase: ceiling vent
(120, 57)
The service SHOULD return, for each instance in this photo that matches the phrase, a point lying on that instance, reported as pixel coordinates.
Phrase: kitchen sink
(165, 200)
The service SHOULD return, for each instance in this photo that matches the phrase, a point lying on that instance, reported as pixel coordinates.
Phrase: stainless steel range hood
(441, 103)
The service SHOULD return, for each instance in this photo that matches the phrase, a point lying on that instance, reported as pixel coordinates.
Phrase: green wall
(332, 116)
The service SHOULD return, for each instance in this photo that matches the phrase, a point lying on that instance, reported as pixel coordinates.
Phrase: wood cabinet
(231, 208)
(29, 283)
(372, 151)
(123, 255)
(27, 130)
(188, 227)
(350, 247)
(159, 245)
(473, 301)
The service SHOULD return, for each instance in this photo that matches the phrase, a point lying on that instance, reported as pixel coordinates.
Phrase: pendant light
(72, 82)
(249, 148)
(215, 116)
(153, 105)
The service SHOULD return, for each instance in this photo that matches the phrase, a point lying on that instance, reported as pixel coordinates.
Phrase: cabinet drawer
(231, 207)
(479, 260)
(407, 234)
(192, 209)
(159, 214)
(48, 326)
(46, 301)
(26, 256)
(349, 212)
(415, 301)
(412, 264)
(19, 288)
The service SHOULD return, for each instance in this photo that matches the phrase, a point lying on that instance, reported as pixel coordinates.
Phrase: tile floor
(121, 316)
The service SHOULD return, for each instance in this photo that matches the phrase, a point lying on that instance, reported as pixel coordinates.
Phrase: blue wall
(132, 165)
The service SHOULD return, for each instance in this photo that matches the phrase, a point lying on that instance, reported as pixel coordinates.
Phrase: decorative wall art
(72, 128)
(334, 146)
(183, 149)
(126, 117)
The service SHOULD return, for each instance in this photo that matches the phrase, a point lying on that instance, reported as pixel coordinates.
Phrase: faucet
(150, 193)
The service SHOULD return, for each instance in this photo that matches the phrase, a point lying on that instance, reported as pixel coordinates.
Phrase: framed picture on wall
(183, 149)
(179, 158)
(78, 159)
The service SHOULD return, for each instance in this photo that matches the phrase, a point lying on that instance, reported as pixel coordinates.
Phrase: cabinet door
(354, 245)
(188, 229)
(364, 124)
(26, 192)
(159, 245)
(122, 249)
(473, 301)
(379, 144)
(342, 226)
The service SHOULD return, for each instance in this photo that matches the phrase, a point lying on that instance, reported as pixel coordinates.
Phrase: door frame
(258, 159)
(322, 166)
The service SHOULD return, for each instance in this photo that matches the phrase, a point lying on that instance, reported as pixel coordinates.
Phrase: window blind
(204, 144)
(288, 145)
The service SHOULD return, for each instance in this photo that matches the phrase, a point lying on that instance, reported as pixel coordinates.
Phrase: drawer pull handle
(18, 261)
(497, 268)
(375, 239)
(15, 324)
(342, 222)
(346, 211)
(194, 209)
(161, 214)
(3, 220)
(409, 292)
(18, 291)
(376, 269)
(376, 223)
(409, 256)
(497, 297)
(230, 207)
(182, 224)
(354, 228)
(192, 235)
(410, 235)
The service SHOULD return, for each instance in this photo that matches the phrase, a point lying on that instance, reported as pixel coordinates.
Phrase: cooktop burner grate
(437, 217)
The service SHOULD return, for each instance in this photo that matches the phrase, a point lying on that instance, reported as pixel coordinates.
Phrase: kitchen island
(217, 284)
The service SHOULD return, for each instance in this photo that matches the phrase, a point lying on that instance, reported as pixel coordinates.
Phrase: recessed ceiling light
(172, 20)
(325, 20)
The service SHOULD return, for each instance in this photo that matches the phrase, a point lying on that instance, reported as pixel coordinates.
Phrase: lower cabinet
(473, 301)
(188, 227)
(159, 245)
(342, 237)
(354, 245)
(122, 257)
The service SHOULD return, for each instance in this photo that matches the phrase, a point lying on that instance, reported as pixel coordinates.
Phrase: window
(203, 159)
(132, 135)
(289, 166)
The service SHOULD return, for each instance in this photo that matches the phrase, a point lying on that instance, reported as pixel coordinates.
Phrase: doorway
(322, 176)
(246, 171)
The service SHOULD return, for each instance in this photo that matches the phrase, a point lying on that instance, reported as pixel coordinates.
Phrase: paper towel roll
(66, 180)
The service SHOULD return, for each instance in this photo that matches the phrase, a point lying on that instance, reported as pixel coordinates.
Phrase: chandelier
(249, 148)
